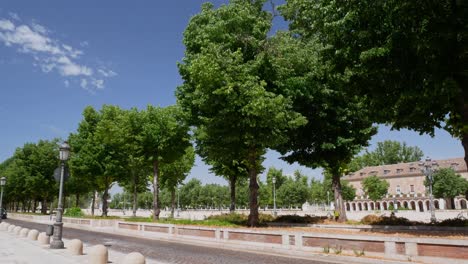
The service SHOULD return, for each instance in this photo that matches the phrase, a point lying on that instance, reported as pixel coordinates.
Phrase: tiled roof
(404, 169)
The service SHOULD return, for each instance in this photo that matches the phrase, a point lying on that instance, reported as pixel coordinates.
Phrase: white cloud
(66, 83)
(99, 84)
(6, 25)
(107, 73)
(51, 55)
(14, 16)
(84, 84)
(39, 28)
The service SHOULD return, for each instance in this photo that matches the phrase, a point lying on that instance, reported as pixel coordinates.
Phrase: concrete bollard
(17, 230)
(33, 234)
(98, 255)
(75, 247)
(134, 258)
(24, 232)
(3, 226)
(11, 227)
(43, 238)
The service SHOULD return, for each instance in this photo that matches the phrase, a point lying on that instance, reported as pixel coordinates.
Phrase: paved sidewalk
(18, 250)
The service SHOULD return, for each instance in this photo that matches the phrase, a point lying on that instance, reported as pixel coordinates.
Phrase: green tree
(387, 152)
(164, 139)
(406, 58)
(294, 191)
(173, 174)
(98, 154)
(447, 184)
(375, 187)
(225, 159)
(227, 90)
(136, 167)
(338, 123)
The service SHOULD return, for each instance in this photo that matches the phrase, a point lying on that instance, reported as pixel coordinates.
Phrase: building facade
(406, 187)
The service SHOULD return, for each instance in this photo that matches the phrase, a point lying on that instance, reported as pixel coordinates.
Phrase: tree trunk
(135, 201)
(156, 190)
(464, 140)
(462, 109)
(44, 206)
(232, 182)
(77, 202)
(339, 205)
(173, 201)
(93, 203)
(253, 187)
(104, 201)
(34, 206)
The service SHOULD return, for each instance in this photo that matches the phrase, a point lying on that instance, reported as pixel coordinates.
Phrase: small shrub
(338, 250)
(296, 219)
(371, 219)
(74, 212)
(454, 222)
(358, 253)
(326, 249)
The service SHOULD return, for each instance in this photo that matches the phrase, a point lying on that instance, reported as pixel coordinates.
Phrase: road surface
(173, 252)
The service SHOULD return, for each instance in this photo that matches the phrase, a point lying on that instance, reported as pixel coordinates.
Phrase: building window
(412, 188)
(399, 170)
(412, 169)
(398, 189)
(386, 172)
(373, 173)
(362, 173)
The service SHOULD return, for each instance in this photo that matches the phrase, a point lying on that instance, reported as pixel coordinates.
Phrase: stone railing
(297, 243)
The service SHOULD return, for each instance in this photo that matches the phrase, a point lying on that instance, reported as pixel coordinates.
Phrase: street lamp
(274, 195)
(57, 242)
(428, 168)
(2, 183)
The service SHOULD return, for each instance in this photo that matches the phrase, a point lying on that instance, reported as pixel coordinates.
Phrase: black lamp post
(57, 242)
(2, 183)
(274, 196)
(428, 168)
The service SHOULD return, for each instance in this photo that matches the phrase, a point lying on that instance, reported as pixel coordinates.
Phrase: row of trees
(112, 145)
(291, 191)
(314, 92)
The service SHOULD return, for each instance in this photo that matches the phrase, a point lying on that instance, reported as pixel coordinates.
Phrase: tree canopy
(227, 91)
(375, 187)
(386, 152)
(407, 59)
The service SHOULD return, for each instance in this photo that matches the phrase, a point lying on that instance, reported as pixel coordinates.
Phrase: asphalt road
(171, 252)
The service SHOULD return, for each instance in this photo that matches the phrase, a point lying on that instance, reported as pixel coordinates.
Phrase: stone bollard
(3, 226)
(75, 247)
(98, 255)
(11, 227)
(6, 226)
(17, 230)
(24, 232)
(134, 258)
(43, 238)
(33, 234)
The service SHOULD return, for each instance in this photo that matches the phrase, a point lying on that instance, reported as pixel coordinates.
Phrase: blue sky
(57, 58)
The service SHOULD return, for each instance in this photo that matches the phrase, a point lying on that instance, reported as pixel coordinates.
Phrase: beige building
(406, 186)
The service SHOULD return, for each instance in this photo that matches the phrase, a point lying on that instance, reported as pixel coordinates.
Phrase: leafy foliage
(375, 187)
(448, 184)
(227, 92)
(387, 152)
(74, 212)
(398, 55)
